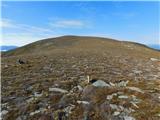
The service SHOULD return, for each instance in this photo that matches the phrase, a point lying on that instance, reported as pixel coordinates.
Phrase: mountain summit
(81, 78)
(80, 43)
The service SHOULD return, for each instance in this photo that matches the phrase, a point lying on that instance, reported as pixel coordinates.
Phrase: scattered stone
(83, 102)
(4, 112)
(116, 113)
(6, 66)
(37, 111)
(109, 97)
(135, 100)
(135, 89)
(22, 117)
(114, 106)
(154, 59)
(38, 94)
(123, 97)
(122, 84)
(58, 90)
(80, 88)
(134, 104)
(128, 118)
(77, 89)
(4, 105)
(69, 109)
(21, 61)
(100, 83)
(112, 84)
(158, 114)
(137, 71)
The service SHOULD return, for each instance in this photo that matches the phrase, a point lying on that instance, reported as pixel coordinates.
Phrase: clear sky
(26, 22)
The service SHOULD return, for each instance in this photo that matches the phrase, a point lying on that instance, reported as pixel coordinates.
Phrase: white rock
(134, 104)
(109, 97)
(123, 97)
(112, 84)
(100, 83)
(68, 109)
(37, 111)
(83, 102)
(135, 89)
(114, 107)
(57, 90)
(80, 88)
(77, 88)
(128, 118)
(4, 112)
(137, 71)
(116, 113)
(37, 94)
(122, 84)
(153, 59)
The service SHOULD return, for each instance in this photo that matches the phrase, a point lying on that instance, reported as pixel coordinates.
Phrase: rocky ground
(55, 86)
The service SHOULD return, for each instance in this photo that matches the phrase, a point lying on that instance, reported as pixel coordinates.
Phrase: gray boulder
(100, 83)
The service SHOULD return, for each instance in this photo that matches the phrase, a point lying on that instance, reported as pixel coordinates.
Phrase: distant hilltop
(76, 43)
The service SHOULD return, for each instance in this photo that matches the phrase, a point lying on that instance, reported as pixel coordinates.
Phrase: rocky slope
(81, 78)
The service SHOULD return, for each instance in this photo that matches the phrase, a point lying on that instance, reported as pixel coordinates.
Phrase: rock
(109, 97)
(100, 83)
(128, 110)
(116, 113)
(58, 90)
(77, 89)
(37, 111)
(112, 84)
(114, 106)
(22, 117)
(137, 71)
(4, 112)
(38, 94)
(135, 89)
(154, 59)
(135, 100)
(4, 105)
(83, 102)
(122, 84)
(69, 109)
(21, 61)
(6, 66)
(158, 114)
(128, 118)
(80, 88)
(134, 104)
(123, 97)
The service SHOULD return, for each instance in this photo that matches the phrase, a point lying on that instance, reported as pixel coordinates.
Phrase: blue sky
(26, 22)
